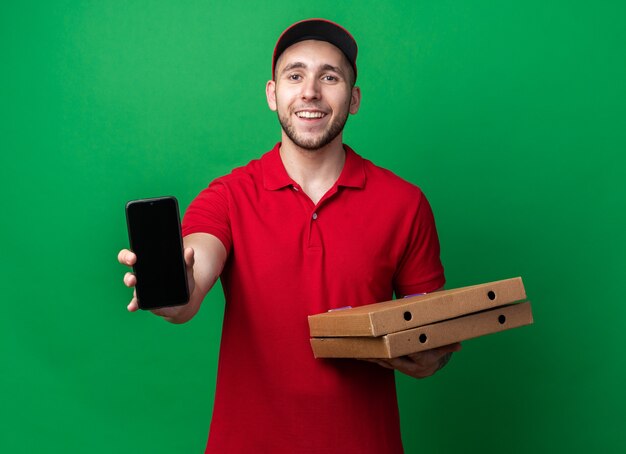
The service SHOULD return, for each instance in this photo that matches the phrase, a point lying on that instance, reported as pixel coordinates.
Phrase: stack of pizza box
(409, 325)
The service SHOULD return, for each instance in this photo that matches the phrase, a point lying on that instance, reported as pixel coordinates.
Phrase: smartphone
(155, 237)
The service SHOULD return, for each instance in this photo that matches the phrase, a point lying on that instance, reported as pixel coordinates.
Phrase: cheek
(344, 104)
(283, 99)
(281, 108)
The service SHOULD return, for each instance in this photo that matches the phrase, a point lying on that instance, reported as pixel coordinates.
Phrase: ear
(270, 94)
(355, 100)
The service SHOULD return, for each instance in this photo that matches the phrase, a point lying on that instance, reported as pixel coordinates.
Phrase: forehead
(313, 53)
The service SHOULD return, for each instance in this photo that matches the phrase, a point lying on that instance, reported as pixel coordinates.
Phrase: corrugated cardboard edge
(425, 337)
(398, 315)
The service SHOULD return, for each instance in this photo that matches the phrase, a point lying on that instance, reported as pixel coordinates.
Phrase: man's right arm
(205, 256)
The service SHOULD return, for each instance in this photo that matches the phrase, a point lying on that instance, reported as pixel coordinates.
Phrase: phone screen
(155, 237)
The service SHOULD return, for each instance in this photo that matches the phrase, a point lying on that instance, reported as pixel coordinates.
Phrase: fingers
(400, 363)
(434, 354)
(427, 358)
(421, 364)
(423, 367)
(130, 280)
(133, 306)
(126, 257)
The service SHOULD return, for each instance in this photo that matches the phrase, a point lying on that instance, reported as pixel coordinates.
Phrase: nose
(311, 89)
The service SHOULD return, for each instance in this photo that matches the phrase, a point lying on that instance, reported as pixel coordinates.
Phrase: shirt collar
(275, 175)
(353, 173)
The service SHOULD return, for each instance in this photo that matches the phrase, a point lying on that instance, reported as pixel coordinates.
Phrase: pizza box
(399, 315)
(425, 337)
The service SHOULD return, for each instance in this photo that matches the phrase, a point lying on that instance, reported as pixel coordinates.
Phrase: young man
(308, 227)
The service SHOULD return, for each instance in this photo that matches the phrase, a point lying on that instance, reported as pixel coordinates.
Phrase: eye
(330, 78)
(294, 77)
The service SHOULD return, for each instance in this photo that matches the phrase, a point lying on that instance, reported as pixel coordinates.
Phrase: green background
(510, 115)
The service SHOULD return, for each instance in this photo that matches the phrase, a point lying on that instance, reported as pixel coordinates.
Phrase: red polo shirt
(370, 235)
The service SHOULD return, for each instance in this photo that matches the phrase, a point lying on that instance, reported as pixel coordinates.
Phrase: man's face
(312, 93)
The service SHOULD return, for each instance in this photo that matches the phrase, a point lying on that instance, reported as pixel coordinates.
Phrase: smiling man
(317, 87)
(310, 226)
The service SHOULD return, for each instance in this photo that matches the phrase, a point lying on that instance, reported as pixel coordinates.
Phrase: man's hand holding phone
(128, 258)
(169, 279)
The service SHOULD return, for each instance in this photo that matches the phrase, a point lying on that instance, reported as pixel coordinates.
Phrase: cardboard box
(425, 337)
(402, 314)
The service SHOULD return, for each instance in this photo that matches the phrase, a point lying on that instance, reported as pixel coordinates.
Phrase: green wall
(510, 115)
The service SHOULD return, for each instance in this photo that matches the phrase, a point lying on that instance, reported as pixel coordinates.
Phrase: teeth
(305, 114)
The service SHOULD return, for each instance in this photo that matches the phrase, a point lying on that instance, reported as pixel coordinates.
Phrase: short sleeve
(209, 213)
(420, 269)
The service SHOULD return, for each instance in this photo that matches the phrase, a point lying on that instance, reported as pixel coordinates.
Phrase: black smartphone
(155, 237)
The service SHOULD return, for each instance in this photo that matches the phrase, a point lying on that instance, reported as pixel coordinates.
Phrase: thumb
(189, 257)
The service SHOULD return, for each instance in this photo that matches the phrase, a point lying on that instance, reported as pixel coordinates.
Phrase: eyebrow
(301, 65)
(294, 65)
(336, 69)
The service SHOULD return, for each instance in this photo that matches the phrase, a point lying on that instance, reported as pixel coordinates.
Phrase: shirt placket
(312, 235)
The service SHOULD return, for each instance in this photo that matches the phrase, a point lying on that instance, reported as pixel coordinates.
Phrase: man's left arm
(421, 259)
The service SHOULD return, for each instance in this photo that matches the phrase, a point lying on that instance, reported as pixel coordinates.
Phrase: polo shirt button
(294, 188)
(314, 216)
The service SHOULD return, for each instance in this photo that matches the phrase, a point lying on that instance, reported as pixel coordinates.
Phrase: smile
(310, 114)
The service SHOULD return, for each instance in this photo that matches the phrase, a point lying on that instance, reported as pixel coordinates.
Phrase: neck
(316, 171)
